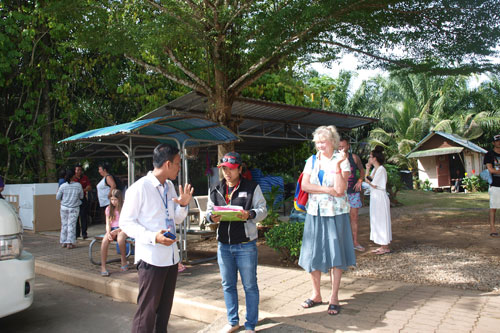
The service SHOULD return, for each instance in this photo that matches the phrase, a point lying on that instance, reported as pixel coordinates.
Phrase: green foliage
(271, 200)
(288, 160)
(286, 238)
(394, 182)
(426, 185)
(474, 184)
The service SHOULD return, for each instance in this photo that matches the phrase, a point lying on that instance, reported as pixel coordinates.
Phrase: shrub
(286, 238)
(474, 184)
(394, 182)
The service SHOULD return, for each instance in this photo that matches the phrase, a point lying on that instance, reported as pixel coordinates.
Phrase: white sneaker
(229, 328)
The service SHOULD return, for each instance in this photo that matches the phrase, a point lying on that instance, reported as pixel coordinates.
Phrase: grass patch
(444, 199)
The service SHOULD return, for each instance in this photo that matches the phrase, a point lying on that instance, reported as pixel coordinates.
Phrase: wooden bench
(99, 238)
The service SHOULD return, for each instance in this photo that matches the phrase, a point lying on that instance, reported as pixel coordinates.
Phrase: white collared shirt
(143, 215)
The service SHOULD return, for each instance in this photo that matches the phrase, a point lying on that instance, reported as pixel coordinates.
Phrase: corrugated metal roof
(266, 125)
(436, 152)
(452, 137)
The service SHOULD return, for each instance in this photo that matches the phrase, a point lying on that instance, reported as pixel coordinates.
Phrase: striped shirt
(70, 194)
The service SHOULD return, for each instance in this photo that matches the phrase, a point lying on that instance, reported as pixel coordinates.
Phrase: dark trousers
(84, 216)
(155, 299)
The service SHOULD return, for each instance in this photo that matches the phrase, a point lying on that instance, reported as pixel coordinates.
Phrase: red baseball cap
(231, 160)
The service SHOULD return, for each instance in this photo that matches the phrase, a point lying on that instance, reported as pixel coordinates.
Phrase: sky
(350, 62)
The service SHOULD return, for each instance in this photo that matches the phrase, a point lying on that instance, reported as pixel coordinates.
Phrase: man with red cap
(237, 247)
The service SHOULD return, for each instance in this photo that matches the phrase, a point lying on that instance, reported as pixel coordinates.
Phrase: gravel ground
(432, 265)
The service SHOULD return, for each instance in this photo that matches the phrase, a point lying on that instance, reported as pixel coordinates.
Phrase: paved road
(59, 307)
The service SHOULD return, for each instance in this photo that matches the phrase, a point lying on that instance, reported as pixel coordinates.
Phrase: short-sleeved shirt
(326, 204)
(84, 180)
(494, 159)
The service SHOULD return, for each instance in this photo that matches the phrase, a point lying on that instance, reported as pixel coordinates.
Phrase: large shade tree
(219, 48)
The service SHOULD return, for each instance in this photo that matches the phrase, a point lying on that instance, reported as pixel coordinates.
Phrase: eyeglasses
(231, 160)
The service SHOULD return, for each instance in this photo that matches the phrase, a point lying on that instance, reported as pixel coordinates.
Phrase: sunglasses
(231, 160)
(496, 137)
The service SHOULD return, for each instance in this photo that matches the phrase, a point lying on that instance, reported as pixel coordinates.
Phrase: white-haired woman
(327, 244)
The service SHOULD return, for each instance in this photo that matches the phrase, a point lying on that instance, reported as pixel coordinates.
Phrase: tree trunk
(48, 147)
(219, 111)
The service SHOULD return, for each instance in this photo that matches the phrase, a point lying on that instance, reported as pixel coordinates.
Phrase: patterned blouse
(325, 203)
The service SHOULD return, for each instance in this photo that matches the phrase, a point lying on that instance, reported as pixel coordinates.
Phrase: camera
(369, 178)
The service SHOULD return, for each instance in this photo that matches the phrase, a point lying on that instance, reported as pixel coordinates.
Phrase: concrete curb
(126, 291)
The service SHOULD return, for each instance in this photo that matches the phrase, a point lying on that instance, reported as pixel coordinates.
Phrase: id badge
(170, 224)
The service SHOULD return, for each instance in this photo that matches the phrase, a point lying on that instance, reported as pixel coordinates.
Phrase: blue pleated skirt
(327, 243)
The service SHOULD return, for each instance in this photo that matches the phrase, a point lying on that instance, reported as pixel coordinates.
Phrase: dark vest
(233, 232)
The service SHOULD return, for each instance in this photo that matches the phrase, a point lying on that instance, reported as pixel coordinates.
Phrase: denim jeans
(233, 258)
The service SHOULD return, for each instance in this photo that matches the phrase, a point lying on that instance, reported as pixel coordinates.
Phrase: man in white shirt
(151, 208)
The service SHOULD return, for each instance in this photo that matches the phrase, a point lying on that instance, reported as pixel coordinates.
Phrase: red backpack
(301, 197)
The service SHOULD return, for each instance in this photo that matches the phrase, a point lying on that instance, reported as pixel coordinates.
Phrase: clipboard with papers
(228, 213)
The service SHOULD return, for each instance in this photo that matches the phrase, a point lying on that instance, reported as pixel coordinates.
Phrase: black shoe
(84, 237)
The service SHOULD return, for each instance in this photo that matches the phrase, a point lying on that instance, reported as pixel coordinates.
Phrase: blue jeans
(243, 258)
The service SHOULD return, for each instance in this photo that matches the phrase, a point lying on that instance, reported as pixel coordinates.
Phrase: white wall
(26, 192)
(427, 170)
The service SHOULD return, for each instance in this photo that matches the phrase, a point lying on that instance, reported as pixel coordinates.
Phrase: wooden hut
(442, 157)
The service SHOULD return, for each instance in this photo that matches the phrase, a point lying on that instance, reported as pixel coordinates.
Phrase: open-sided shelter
(444, 156)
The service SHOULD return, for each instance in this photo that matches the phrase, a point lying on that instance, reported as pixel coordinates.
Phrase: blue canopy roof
(176, 129)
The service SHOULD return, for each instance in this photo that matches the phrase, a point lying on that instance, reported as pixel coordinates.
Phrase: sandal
(333, 307)
(124, 268)
(309, 303)
(382, 252)
(494, 234)
(377, 250)
(359, 247)
(70, 246)
(105, 274)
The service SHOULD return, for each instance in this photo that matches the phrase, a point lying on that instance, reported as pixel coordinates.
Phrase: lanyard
(229, 196)
(165, 201)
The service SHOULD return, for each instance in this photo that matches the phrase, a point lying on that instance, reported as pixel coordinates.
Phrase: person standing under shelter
(151, 208)
(84, 207)
(353, 190)
(237, 239)
(104, 187)
(492, 161)
(71, 194)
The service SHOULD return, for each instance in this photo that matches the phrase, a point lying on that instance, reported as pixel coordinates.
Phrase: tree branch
(236, 14)
(178, 18)
(186, 71)
(168, 75)
(350, 48)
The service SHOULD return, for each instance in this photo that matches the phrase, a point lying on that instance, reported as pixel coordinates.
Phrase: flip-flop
(494, 234)
(359, 248)
(105, 274)
(333, 307)
(382, 252)
(376, 250)
(310, 303)
(124, 268)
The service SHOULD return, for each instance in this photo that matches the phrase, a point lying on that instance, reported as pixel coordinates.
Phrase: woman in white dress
(380, 212)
